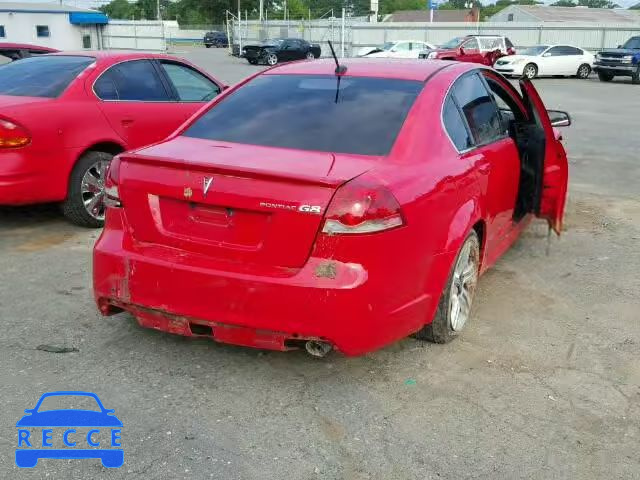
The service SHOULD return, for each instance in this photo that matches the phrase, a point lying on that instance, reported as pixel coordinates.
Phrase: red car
(307, 208)
(64, 116)
(16, 51)
(482, 49)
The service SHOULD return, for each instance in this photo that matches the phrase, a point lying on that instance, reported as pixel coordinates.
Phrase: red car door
(494, 157)
(555, 173)
(470, 52)
(138, 102)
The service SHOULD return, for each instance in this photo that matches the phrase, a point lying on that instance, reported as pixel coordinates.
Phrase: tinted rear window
(309, 113)
(41, 76)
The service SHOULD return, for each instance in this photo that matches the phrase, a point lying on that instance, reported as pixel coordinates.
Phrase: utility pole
(261, 8)
(344, 10)
(238, 28)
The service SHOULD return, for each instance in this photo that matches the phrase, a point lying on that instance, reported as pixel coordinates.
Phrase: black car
(623, 61)
(280, 50)
(215, 39)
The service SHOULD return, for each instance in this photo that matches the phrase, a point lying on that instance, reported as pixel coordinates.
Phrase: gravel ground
(544, 384)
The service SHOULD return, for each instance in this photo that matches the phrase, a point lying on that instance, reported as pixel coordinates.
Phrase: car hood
(69, 418)
(621, 51)
(378, 54)
(514, 58)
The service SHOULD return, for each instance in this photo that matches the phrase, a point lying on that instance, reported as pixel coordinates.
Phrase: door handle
(126, 122)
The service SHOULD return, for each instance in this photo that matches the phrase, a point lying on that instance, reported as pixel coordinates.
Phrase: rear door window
(326, 113)
(478, 108)
(137, 80)
(455, 125)
(44, 76)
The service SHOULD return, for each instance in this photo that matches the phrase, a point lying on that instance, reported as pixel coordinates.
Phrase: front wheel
(605, 76)
(584, 71)
(272, 59)
(530, 71)
(454, 308)
(84, 205)
(310, 56)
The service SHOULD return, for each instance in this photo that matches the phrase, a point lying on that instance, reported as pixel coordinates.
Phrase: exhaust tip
(317, 348)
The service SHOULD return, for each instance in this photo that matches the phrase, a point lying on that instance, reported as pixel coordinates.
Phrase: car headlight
(432, 55)
(598, 56)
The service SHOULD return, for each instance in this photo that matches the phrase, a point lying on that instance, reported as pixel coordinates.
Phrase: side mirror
(393, 50)
(461, 50)
(225, 87)
(546, 54)
(28, 410)
(559, 118)
(619, 46)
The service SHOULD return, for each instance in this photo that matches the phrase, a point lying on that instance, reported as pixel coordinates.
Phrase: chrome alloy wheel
(272, 59)
(92, 189)
(463, 285)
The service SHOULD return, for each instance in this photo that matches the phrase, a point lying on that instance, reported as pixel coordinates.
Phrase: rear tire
(207, 46)
(605, 76)
(310, 56)
(584, 71)
(635, 76)
(85, 196)
(530, 71)
(454, 308)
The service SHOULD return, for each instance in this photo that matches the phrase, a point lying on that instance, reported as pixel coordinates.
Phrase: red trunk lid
(241, 203)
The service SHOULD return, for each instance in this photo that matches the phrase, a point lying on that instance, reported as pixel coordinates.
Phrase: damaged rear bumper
(339, 303)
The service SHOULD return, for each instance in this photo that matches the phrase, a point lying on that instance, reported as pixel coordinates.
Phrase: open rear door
(552, 189)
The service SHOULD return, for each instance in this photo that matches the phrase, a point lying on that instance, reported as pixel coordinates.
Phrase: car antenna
(340, 69)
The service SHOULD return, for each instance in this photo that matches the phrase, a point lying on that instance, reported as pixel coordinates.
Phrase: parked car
(623, 61)
(399, 49)
(483, 49)
(16, 51)
(546, 60)
(277, 50)
(215, 39)
(64, 116)
(269, 219)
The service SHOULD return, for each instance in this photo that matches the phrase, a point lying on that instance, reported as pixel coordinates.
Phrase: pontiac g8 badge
(206, 184)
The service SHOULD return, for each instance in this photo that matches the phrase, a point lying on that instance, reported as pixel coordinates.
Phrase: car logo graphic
(42, 430)
(206, 183)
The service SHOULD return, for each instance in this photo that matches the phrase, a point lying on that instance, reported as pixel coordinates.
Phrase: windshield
(308, 112)
(388, 45)
(533, 51)
(45, 76)
(453, 43)
(273, 42)
(633, 43)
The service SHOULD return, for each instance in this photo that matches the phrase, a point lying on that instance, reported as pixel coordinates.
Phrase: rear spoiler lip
(236, 171)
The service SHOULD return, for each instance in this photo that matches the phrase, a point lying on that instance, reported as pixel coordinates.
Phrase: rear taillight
(361, 206)
(111, 193)
(13, 135)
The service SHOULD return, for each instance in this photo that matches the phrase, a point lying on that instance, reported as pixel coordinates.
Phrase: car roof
(26, 46)
(367, 67)
(113, 55)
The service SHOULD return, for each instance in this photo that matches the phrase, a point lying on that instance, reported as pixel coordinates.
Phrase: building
(51, 25)
(548, 14)
(466, 15)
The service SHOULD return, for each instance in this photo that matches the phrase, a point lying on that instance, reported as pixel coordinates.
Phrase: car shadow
(33, 228)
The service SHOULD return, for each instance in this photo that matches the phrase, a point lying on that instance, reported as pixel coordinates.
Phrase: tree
(585, 3)
(386, 7)
(119, 9)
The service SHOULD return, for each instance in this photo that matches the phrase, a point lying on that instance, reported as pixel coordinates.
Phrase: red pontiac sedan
(64, 116)
(309, 208)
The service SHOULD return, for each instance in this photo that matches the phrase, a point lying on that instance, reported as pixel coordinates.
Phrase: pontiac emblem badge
(206, 184)
(188, 192)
